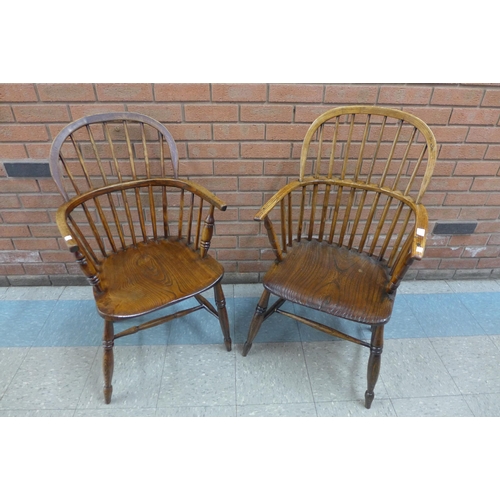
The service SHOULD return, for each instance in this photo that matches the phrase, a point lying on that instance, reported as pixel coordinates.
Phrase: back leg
(257, 320)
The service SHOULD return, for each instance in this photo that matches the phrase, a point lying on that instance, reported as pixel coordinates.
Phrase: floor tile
(136, 378)
(248, 290)
(277, 328)
(473, 362)
(484, 405)
(49, 378)
(471, 286)
(278, 410)
(77, 293)
(116, 412)
(198, 375)
(10, 361)
(197, 411)
(424, 287)
(443, 315)
(200, 327)
(337, 371)
(36, 413)
(412, 368)
(33, 292)
(485, 307)
(22, 321)
(72, 323)
(272, 373)
(379, 408)
(438, 406)
(403, 323)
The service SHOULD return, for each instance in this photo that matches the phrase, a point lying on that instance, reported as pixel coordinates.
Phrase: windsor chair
(140, 234)
(345, 233)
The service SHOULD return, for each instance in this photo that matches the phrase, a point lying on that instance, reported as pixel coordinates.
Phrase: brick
(489, 263)
(40, 201)
(280, 167)
(404, 95)
(9, 201)
(235, 132)
(489, 251)
(244, 199)
(21, 133)
(433, 274)
(468, 240)
(124, 92)
(443, 252)
(431, 116)
(80, 110)
(239, 92)
(13, 151)
(265, 150)
(493, 152)
(43, 231)
(491, 98)
(24, 216)
(13, 231)
(478, 168)
(460, 263)
(447, 184)
(475, 116)
(17, 92)
(18, 185)
(488, 227)
(450, 134)
(238, 167)
(36, 243)
(251, 267)
(6, 114)
(19, 256)
(191, 131)
(275, 132)
(162, 113)
(450, 96)
(216, 184)
(213, 150)
(444, 168)
(182, 92)
(261, 183)
(35, 269)
(268, 113)
(493, 199)
(486, 184)
(10, 269)
(196, 167)
(57, 256)
(469, 199)
(254, 241)
(66, 92)
(238, 254)
(443, 213)
(38, 151)
(309, 113)
(211, 112)
(40, 113)
(464, 274)
(295, 93)
(462, 151)
(484, 134)
(239, 228)
(351, 94)
(479, 213)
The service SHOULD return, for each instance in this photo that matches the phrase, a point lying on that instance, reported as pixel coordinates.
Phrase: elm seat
(333, 280)
(140, 234)
(346, 231)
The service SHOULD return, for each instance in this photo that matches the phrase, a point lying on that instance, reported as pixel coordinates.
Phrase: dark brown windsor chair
(345, 235)
(140, 234)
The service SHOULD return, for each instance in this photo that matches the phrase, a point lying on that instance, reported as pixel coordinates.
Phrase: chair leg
(108, 360)
(223, 319)
(257, 320)
(377, 344)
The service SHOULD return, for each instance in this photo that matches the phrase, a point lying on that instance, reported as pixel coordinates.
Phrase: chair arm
(275, 199)
(420, 234)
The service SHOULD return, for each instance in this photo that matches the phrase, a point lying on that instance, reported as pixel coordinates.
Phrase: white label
(67, 238)
(420, 231)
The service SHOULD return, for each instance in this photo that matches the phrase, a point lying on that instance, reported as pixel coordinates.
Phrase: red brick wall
(243, 141)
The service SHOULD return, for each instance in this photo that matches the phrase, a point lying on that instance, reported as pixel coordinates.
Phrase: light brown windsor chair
(140, 234)
(345, 235)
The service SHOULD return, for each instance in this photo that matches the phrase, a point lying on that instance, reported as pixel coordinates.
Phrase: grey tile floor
(441, 358)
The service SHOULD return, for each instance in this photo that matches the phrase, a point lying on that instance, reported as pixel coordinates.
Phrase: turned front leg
(223, 319)
(257, 320)
(377, 344)
(108, 360)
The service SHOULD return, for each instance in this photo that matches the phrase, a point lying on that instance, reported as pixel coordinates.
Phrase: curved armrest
(420, 235)
(275, 199)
